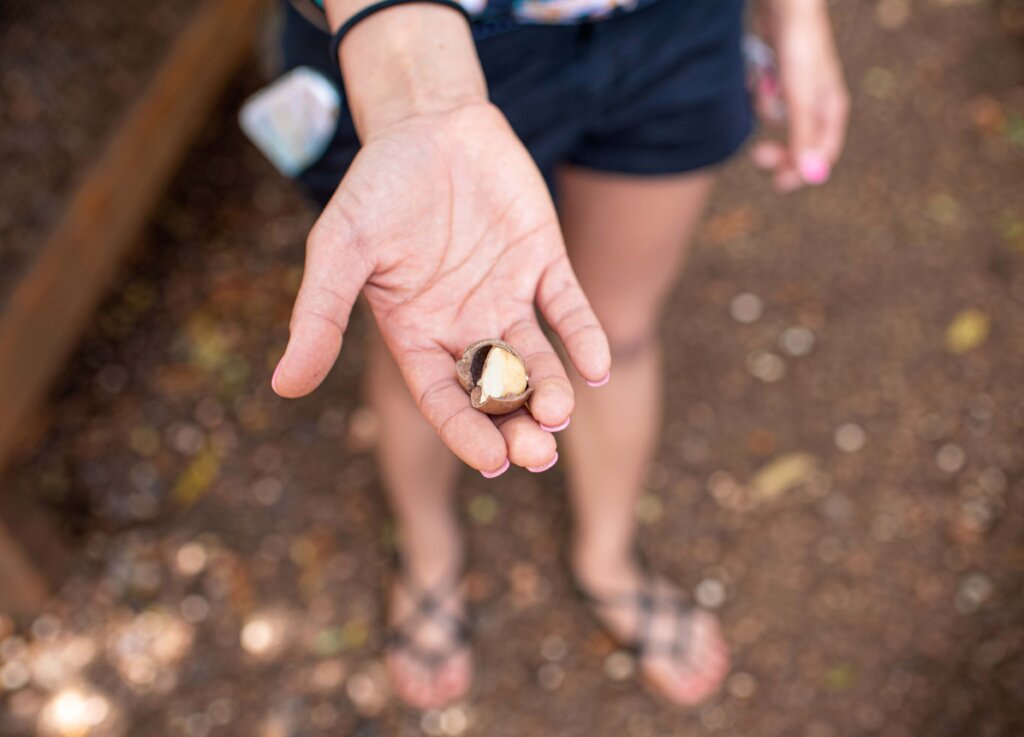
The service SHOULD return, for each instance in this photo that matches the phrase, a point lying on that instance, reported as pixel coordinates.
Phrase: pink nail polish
(495, 474)
(555, 428)
(814, 169)
(600, 382)
(541, 469)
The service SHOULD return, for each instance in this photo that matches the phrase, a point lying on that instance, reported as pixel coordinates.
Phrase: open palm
(447, 226)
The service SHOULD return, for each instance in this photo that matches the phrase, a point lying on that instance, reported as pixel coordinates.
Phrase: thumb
(337, 267)
(806, 151)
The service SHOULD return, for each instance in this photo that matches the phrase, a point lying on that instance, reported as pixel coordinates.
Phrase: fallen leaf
(195, 480)
(840, 677)
(781, 474)
(967, 331)
(483, 509)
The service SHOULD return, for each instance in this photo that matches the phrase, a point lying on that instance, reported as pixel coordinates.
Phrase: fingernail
(273, 379)
(814, 168)
(600, 382)
(545, 467)
(555, 428)
(495, 474)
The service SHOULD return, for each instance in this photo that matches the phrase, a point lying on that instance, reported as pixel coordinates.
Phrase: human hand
(445, 224)
(810, 95)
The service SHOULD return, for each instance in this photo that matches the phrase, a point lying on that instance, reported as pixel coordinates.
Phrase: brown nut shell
(469, 368)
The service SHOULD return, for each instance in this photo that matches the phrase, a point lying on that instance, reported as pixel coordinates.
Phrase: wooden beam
(54, 298)
(31, 560)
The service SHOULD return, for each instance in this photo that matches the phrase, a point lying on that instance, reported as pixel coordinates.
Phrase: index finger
(568, 312)
(430, 375)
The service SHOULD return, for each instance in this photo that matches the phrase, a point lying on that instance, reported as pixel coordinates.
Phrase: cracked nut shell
(496, 386)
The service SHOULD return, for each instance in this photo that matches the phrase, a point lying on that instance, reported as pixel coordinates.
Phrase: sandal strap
(649, 604)
(428, 605)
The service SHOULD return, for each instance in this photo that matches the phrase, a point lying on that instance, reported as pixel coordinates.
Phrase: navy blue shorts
(660, 90)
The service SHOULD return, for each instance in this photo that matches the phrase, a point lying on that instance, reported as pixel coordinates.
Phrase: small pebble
(190, 559)
(746, 308)
(850, 437)
(550, 676)
(797, 341)
(768, 367)
(112, 379)
(45, 627)
(430, 723)
(554, 647)
(710, 593)
(187, 439)
(973, 591)
(366, 688)
(194, 609)
(454, 720)
(892, 14)
(741, 685)
(837, 507)
(714, 717)
(950, 458)
(221, 711)
(993, 480)
(12, 648)
(267, 491)
(327, 675)
(198, 725)
(14, 675)
(363, 428)
(619, 665)
(259, 636)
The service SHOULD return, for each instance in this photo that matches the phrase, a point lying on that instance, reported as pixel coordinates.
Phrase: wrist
(406, 60)
(794, 10)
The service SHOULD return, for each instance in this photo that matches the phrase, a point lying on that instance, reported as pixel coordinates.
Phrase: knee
(629, 343)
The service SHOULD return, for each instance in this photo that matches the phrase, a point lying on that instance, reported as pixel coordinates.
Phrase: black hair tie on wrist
(378, 6)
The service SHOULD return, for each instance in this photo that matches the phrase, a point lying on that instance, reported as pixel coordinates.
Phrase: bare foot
(682, 656)
(428, 655)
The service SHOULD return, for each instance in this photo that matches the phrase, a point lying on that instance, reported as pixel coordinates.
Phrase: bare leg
(627, 240)
(419, 474)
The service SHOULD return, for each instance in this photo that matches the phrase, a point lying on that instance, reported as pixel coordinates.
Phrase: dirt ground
(64, 82)
(841, 477)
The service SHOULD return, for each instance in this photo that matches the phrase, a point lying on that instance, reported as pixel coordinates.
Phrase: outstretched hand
(446, 225)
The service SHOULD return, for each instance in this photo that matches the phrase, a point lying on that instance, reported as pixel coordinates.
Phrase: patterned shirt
(527, 11)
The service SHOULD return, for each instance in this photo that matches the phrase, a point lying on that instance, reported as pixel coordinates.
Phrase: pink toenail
(545, 467)
(600, 382)
(555, 428)
(495, 474)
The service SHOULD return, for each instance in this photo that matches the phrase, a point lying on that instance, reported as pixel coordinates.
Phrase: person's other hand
(446, 225)
(811, 95)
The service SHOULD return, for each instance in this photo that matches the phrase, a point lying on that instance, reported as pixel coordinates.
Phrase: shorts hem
(645, 166)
